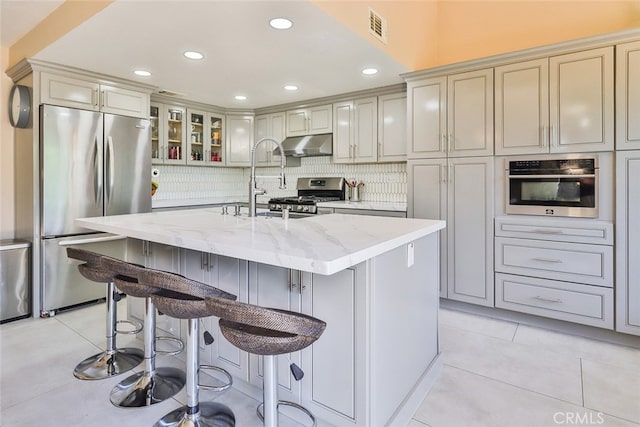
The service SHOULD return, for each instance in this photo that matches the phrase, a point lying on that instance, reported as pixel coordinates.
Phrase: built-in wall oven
(553, 186)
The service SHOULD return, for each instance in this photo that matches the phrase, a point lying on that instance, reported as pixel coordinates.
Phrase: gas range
(311, 191)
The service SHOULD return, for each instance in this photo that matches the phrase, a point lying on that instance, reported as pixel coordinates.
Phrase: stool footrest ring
(178, 343)
(217, 388)
(137, 327)
(291, 404)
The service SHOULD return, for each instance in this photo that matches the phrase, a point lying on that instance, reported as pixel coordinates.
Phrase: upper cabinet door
(310, 121)
(366, 130)
(628, 96)
(343, 132)
(392, 128)
(470, 114)
(427, 119)
(522, 108)
(239, 140)
(581, 101)
(124, 102)
(69, 92)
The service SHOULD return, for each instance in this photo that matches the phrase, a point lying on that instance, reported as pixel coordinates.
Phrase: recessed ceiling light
(291, 87)
(193, 55)
(281, 23)
(142, 73)
(369, 71)
(240, 97)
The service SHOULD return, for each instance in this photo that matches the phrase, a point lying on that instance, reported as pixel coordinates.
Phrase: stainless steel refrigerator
(92, 164)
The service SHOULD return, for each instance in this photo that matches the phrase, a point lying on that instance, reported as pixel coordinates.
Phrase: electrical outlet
(410, 254)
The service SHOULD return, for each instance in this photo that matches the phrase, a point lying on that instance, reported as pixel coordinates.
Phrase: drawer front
(558, 230)
(589, 305)
(571, 262)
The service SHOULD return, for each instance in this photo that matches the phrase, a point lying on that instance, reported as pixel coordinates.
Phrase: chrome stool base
(103, 365)
(144, 389)
(291, 404)
(210, 414)
(224, 372)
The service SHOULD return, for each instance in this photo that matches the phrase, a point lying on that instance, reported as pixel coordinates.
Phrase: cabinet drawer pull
(556, 261)
(554, 300)
(543, 231)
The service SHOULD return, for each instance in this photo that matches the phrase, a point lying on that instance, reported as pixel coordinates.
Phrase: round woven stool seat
(264, 331)
(126, 277)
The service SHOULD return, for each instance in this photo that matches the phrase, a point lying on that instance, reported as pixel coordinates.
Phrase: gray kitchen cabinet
(340, 352)
(71, 91)
(281, 288)
(460, 191)
(160, 257)
(451, 116)
(522, 108)
(392, 128)
(556, 267)
(168, 134)
(230, 275)
(205, 142)
(581, 92)
(273, 126)
(627, 96)
(310, 121)
(355, 132)
(239, 139)
(627, 242)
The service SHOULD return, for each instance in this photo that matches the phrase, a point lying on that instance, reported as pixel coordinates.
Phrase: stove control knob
(300, 207)
(305, 209)
(278, 207)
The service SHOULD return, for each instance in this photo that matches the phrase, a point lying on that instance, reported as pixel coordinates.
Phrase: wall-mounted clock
(19, 106)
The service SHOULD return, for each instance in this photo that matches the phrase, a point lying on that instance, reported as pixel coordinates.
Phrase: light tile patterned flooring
(496, 373)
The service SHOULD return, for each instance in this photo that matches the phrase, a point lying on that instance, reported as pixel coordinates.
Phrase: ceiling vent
(377, 26)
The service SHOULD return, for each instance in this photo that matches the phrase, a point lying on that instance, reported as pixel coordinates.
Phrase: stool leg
(198, 414)
(111, 318)
(270, 390)
(113, 361)
(153, 385)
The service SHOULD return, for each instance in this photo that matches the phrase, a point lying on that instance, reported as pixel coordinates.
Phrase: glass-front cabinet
(168, 134)
(205, 143)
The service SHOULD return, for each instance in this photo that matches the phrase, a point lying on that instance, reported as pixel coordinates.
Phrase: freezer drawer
(62, 285)
(15, 279)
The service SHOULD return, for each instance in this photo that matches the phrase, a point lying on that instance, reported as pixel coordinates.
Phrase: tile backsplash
(383, 182)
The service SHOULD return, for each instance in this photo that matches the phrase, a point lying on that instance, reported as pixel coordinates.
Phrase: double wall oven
(553, 186)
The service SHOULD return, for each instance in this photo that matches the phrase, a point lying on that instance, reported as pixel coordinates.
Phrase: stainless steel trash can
(15, 280)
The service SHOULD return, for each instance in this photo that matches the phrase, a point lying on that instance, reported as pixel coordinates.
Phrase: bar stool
(153, 385)
(113, 361)
(184, 299)
(268, 332)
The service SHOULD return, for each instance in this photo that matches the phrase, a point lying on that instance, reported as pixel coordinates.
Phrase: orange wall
(428, 33)
(412, 26)
(475, 29)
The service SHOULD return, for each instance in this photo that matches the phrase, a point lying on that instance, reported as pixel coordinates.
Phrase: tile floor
(496, 373)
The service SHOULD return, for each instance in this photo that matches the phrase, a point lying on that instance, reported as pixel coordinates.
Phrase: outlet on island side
(410, 254)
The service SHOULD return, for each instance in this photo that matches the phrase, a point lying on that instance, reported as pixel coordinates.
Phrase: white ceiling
(243, 55)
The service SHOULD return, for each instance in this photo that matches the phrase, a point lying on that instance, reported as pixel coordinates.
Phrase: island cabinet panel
(159, 257)
(335, 364)
(276, 287)
(230, 275)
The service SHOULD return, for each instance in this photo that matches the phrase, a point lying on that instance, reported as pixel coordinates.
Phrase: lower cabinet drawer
(572, 302)
(570, 262)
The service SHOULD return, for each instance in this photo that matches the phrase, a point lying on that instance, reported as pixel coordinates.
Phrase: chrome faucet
(253, 189)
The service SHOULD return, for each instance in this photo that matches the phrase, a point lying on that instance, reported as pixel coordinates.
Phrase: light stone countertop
(365, 205)
(324, 244)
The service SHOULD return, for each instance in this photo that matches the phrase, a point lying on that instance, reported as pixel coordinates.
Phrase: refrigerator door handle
(110, 175)
(87, 241)
(97, 172)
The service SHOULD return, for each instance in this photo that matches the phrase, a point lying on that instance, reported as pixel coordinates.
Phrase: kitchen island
(374, 280)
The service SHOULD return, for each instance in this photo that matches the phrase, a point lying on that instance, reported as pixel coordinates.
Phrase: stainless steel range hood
(308, 145)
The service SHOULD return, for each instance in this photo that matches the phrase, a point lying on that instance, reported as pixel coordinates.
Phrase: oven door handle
(550, 176)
